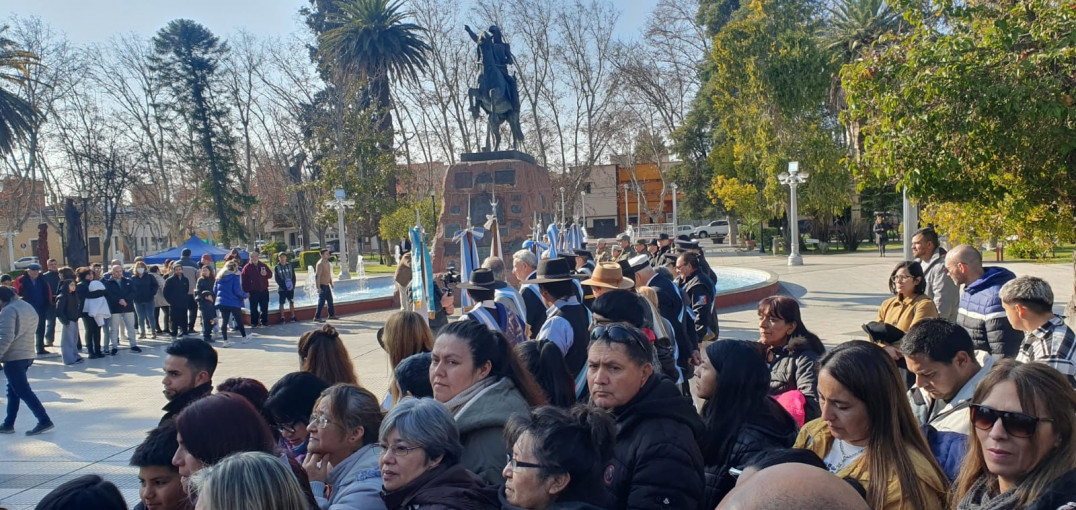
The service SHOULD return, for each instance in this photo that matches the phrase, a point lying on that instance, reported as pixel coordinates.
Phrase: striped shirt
(1054, 344)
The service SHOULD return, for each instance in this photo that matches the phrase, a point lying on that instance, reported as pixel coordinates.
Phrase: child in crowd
(209, 314)
(160, 485)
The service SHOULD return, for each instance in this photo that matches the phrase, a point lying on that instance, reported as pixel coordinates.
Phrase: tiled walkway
(102, 408)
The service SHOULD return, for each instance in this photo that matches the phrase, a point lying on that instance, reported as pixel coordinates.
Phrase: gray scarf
(981, 496)
(456, 403)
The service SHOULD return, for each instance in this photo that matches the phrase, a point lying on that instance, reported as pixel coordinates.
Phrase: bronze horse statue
(495, 95)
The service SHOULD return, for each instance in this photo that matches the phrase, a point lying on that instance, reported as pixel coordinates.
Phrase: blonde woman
(248, 481)
(405, 334)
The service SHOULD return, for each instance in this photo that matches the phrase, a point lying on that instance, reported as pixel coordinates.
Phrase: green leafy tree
(188, 57)
(398, 223)
(980, 114)
(16, 114)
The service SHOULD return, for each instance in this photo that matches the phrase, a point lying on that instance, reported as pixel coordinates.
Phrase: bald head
(964, 264)
(793, 485)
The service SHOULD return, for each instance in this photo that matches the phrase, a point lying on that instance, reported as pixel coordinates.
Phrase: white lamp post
(562, 216)
(340, 204)
(627, 221)
(675, 224)
(794, 178)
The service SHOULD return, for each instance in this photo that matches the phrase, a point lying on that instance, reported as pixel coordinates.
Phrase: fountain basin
(739, 285)
(348, 298)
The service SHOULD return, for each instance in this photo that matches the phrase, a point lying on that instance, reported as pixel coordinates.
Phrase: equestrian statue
(496, 94)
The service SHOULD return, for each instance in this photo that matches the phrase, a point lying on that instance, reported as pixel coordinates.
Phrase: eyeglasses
(398, 450)
(1016, 424)
(290, 429)
(620, 333)
(320, 420)
(901, 277)
(514, 464)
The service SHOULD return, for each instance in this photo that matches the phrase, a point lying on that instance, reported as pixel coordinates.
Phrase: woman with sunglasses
(909, 304)
(290, 404)
(868, 433)
(656, 462)
(343, 449)
(477, 375)
(741, 419)
(558, 456)
(420, 461)
(1022, 453)
(792, 352)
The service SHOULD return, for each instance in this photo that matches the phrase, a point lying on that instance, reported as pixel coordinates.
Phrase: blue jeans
(18, 388)
(144, 317)
(325, 295)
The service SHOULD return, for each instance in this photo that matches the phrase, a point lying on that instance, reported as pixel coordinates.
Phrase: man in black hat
(652, 252)
(664, 244)
(640, 246)
(482, 288)
(584, 262)
(567, 321)
(671, 307)
(698, 292)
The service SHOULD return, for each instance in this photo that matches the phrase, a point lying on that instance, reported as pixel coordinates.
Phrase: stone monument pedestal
(521, 188)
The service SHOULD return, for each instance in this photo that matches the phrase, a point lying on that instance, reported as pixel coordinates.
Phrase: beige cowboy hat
(610, 276)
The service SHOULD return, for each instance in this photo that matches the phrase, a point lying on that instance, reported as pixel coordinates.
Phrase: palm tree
(854, 26)
(17, 116)
(371, 40)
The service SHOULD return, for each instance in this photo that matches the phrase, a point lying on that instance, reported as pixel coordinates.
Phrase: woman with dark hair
(545, 361)
(322, 353)
(791, 350)
(740, 418)
(909, 304)
(251, 389)
(288, 408)
(406, 334)
(87, 492)
(420, 461)
(656, 462)
(344, 450)
(478, 377)
(68, 310)
(867, 431)
(219, 425)
(557, 458)
(1022, 450)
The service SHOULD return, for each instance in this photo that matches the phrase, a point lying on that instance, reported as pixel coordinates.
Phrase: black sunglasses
(1016, 424)
(621, 334)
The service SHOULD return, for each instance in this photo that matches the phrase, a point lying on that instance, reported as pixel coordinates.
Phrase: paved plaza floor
(102, 408)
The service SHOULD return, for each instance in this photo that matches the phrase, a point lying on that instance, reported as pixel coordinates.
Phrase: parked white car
(25, 262)
(685, 229)
(719, 228)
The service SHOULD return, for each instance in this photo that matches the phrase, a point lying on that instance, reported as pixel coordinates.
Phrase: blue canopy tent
(197, 247)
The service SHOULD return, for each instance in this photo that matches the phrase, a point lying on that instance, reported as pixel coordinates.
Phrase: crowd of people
(574, 390)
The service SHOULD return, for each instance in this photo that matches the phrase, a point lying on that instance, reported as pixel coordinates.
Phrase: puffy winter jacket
(656, 463)
(795, 367)
(229, 290)
(145, 288)
(982, 315)
(770, 429)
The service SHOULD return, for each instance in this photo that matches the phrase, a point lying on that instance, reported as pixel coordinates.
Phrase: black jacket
(769, 429)
(536, 309)
(177, 291)
(698, 292)
(115, 290)
(444, 488)
(145, 288)
(656, 463)
(68, 305)
(1057, 494)
(178, 404)
(671, 306)
(795, 367)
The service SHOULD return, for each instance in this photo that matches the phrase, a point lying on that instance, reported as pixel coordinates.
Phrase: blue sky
(92, 21)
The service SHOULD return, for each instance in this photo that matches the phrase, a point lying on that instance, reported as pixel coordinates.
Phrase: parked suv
(719, 228)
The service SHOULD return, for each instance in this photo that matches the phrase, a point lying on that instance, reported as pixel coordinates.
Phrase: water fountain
(311, 283)
(360, 274)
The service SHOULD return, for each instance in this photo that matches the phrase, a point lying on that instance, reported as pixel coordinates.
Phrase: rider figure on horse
(502, 56)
